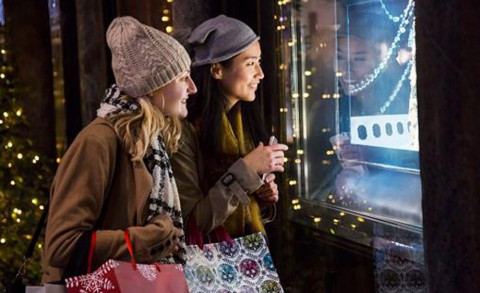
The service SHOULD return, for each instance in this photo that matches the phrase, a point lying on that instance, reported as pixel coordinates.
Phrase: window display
(349, 109)
(349, 76)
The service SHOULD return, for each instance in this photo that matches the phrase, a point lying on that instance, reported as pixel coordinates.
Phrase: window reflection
(2, 14)
(361, 89)
(351, 96)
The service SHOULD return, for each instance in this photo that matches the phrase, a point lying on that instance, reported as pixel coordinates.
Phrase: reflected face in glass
(171, 99)
(240, 78)
(356, 59)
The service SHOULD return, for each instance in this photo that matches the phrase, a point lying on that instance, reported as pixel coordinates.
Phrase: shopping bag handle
(130, 248)
(222, 235)
(195, 236)
(91, 250)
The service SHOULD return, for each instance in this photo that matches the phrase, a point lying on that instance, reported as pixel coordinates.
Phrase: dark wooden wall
(448, 64)
(28, 30)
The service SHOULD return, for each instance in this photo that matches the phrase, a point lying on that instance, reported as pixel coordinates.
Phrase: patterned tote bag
(240, 265)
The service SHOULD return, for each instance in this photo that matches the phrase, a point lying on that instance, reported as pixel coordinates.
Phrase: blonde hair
(137, 129)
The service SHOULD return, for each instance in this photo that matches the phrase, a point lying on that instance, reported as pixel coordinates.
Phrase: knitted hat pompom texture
(143, 58)
(219, 39)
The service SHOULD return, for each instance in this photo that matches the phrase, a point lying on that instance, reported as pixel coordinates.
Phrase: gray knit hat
(219, 39)
(143, 58)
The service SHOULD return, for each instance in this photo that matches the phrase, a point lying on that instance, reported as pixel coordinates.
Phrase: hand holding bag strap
(91, 250)
(130, 249)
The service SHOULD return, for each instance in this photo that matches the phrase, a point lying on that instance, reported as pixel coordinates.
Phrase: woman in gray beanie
(116, 175)
(224, 150)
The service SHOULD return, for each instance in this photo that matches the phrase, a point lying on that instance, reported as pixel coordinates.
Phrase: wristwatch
(228, 179)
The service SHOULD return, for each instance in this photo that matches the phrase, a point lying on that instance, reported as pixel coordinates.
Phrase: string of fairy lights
(16, 155)
(291, 57)
(167, 15)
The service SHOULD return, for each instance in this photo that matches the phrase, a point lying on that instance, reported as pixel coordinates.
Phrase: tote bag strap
(196, 237)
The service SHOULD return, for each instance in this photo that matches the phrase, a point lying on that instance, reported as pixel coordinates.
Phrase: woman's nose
(192, 88)
(259, 72)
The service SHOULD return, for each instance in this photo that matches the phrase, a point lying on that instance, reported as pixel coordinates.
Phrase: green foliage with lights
(25, 179)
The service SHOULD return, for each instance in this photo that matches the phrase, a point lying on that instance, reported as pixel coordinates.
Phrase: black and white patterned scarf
(164, 198)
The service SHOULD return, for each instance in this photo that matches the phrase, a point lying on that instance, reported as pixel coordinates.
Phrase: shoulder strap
(38, 230)
(17, 281)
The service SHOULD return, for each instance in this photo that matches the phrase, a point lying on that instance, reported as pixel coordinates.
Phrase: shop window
(349, 109)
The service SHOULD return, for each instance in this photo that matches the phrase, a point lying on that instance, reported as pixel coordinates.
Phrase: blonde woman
(116, 175)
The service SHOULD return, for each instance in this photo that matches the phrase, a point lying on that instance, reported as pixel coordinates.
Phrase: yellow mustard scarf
(235, 141)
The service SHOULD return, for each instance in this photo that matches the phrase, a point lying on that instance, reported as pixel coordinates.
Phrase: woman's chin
(183, 114)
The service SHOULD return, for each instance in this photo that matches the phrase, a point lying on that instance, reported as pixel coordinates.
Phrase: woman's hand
(266, 159)
(176, 241)
(267, 195)
(156, 240)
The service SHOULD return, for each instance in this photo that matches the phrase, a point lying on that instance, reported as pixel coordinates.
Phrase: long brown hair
(207, 106)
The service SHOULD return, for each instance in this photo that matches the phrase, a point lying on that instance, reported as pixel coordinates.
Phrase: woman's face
(239, 80)
(171, 99)
(356, 59)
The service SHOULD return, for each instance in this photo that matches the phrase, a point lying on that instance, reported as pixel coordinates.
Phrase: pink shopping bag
(119, 276)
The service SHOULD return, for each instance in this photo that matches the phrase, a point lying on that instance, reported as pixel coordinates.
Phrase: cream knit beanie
(143, 58)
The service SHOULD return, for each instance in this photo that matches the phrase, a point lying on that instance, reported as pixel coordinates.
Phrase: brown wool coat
(97, 187)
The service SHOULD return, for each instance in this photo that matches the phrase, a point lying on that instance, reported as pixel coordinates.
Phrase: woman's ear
(216, 71)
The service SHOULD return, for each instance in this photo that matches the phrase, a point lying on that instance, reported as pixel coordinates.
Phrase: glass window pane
(353, 101)
(349, 109)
